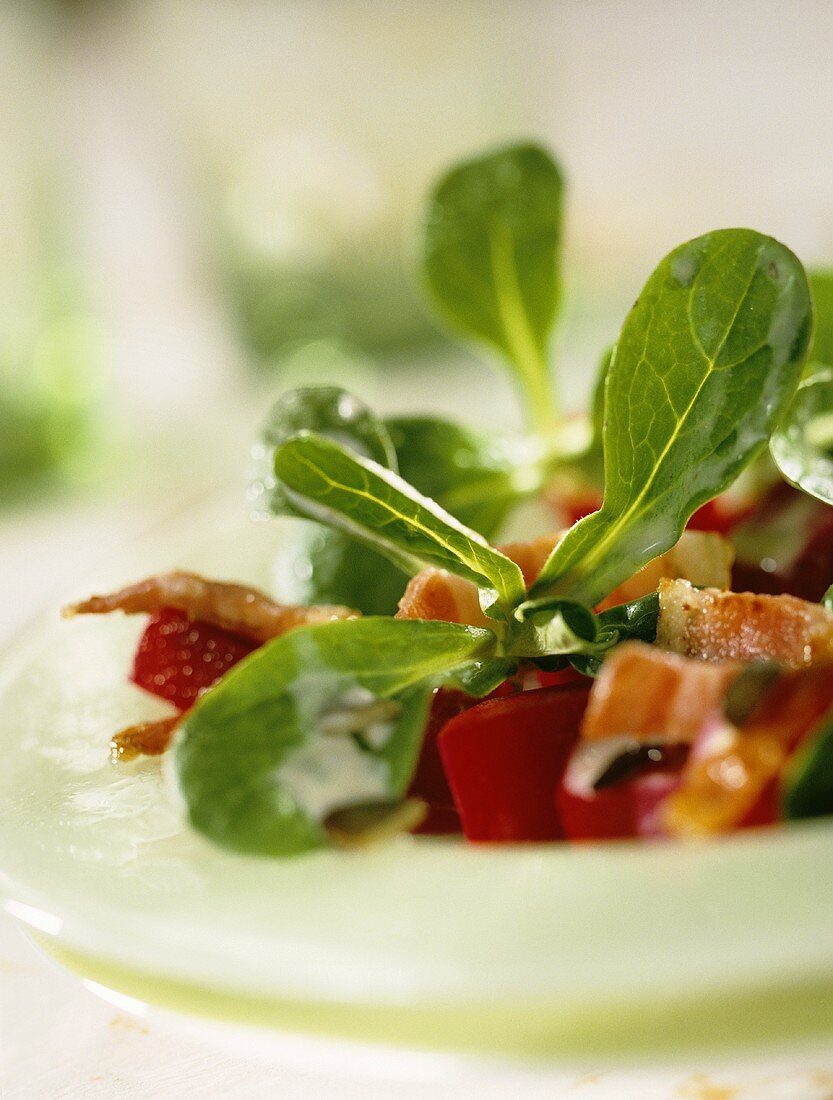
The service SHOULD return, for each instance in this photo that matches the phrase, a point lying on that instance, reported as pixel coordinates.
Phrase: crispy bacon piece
(144, 739)
(742, 626)
(701, 556)
(233, 607)
(437, 594)
(732, 773)
(651, 695)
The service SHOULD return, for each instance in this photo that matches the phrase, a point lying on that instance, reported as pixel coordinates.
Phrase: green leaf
(636, 620)
(329, 484)
(476, 476)
(328, 410)
(821, 346)
(490, 251)
(322, 717)
(808, 782)
(553, 628)
(563, 628)
(314, 564)
(802, 446)
(706, 363)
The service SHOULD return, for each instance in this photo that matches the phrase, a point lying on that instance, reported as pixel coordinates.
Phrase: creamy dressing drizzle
(326, 773)
(329, 771)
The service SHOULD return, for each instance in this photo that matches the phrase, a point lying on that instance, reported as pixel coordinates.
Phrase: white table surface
(59, 1040)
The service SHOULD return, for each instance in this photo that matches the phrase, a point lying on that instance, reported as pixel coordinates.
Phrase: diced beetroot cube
(504, 758)
(178, 659)
(580, 504)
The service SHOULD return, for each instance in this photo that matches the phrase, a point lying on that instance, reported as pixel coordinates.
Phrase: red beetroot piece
(504, 758)
(178, 659)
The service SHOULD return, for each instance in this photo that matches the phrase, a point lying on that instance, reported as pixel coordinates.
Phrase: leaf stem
(524, 350)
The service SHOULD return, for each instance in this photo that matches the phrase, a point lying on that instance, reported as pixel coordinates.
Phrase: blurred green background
(205, 201)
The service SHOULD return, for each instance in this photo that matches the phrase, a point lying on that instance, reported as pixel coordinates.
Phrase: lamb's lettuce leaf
(330, 484)
(706, 363)
(490, 255)
(332, 412)
(321, 718)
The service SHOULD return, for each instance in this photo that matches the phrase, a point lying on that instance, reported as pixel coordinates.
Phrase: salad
(659, 665)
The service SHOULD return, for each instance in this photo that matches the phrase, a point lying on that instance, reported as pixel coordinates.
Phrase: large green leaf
(491, 241)
(802, 447)
(706, 363)
(297, 730)
(331, 485)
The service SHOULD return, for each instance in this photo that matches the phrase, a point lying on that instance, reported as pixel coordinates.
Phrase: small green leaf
(707, 361)
(476, 476)
(490, 251)
(802, 446)
(553, 628)
(749, 690)
(331, 485)
(636, 621)
(827, 599)
(314, 564)
(563, 628)
(808, 782)
(328, 410)
(322, 717)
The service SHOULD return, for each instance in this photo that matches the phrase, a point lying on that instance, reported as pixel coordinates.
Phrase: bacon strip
(650, 695)
(234, 607)
(742, 626)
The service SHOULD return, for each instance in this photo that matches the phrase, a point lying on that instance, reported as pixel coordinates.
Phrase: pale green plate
(543, 950)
